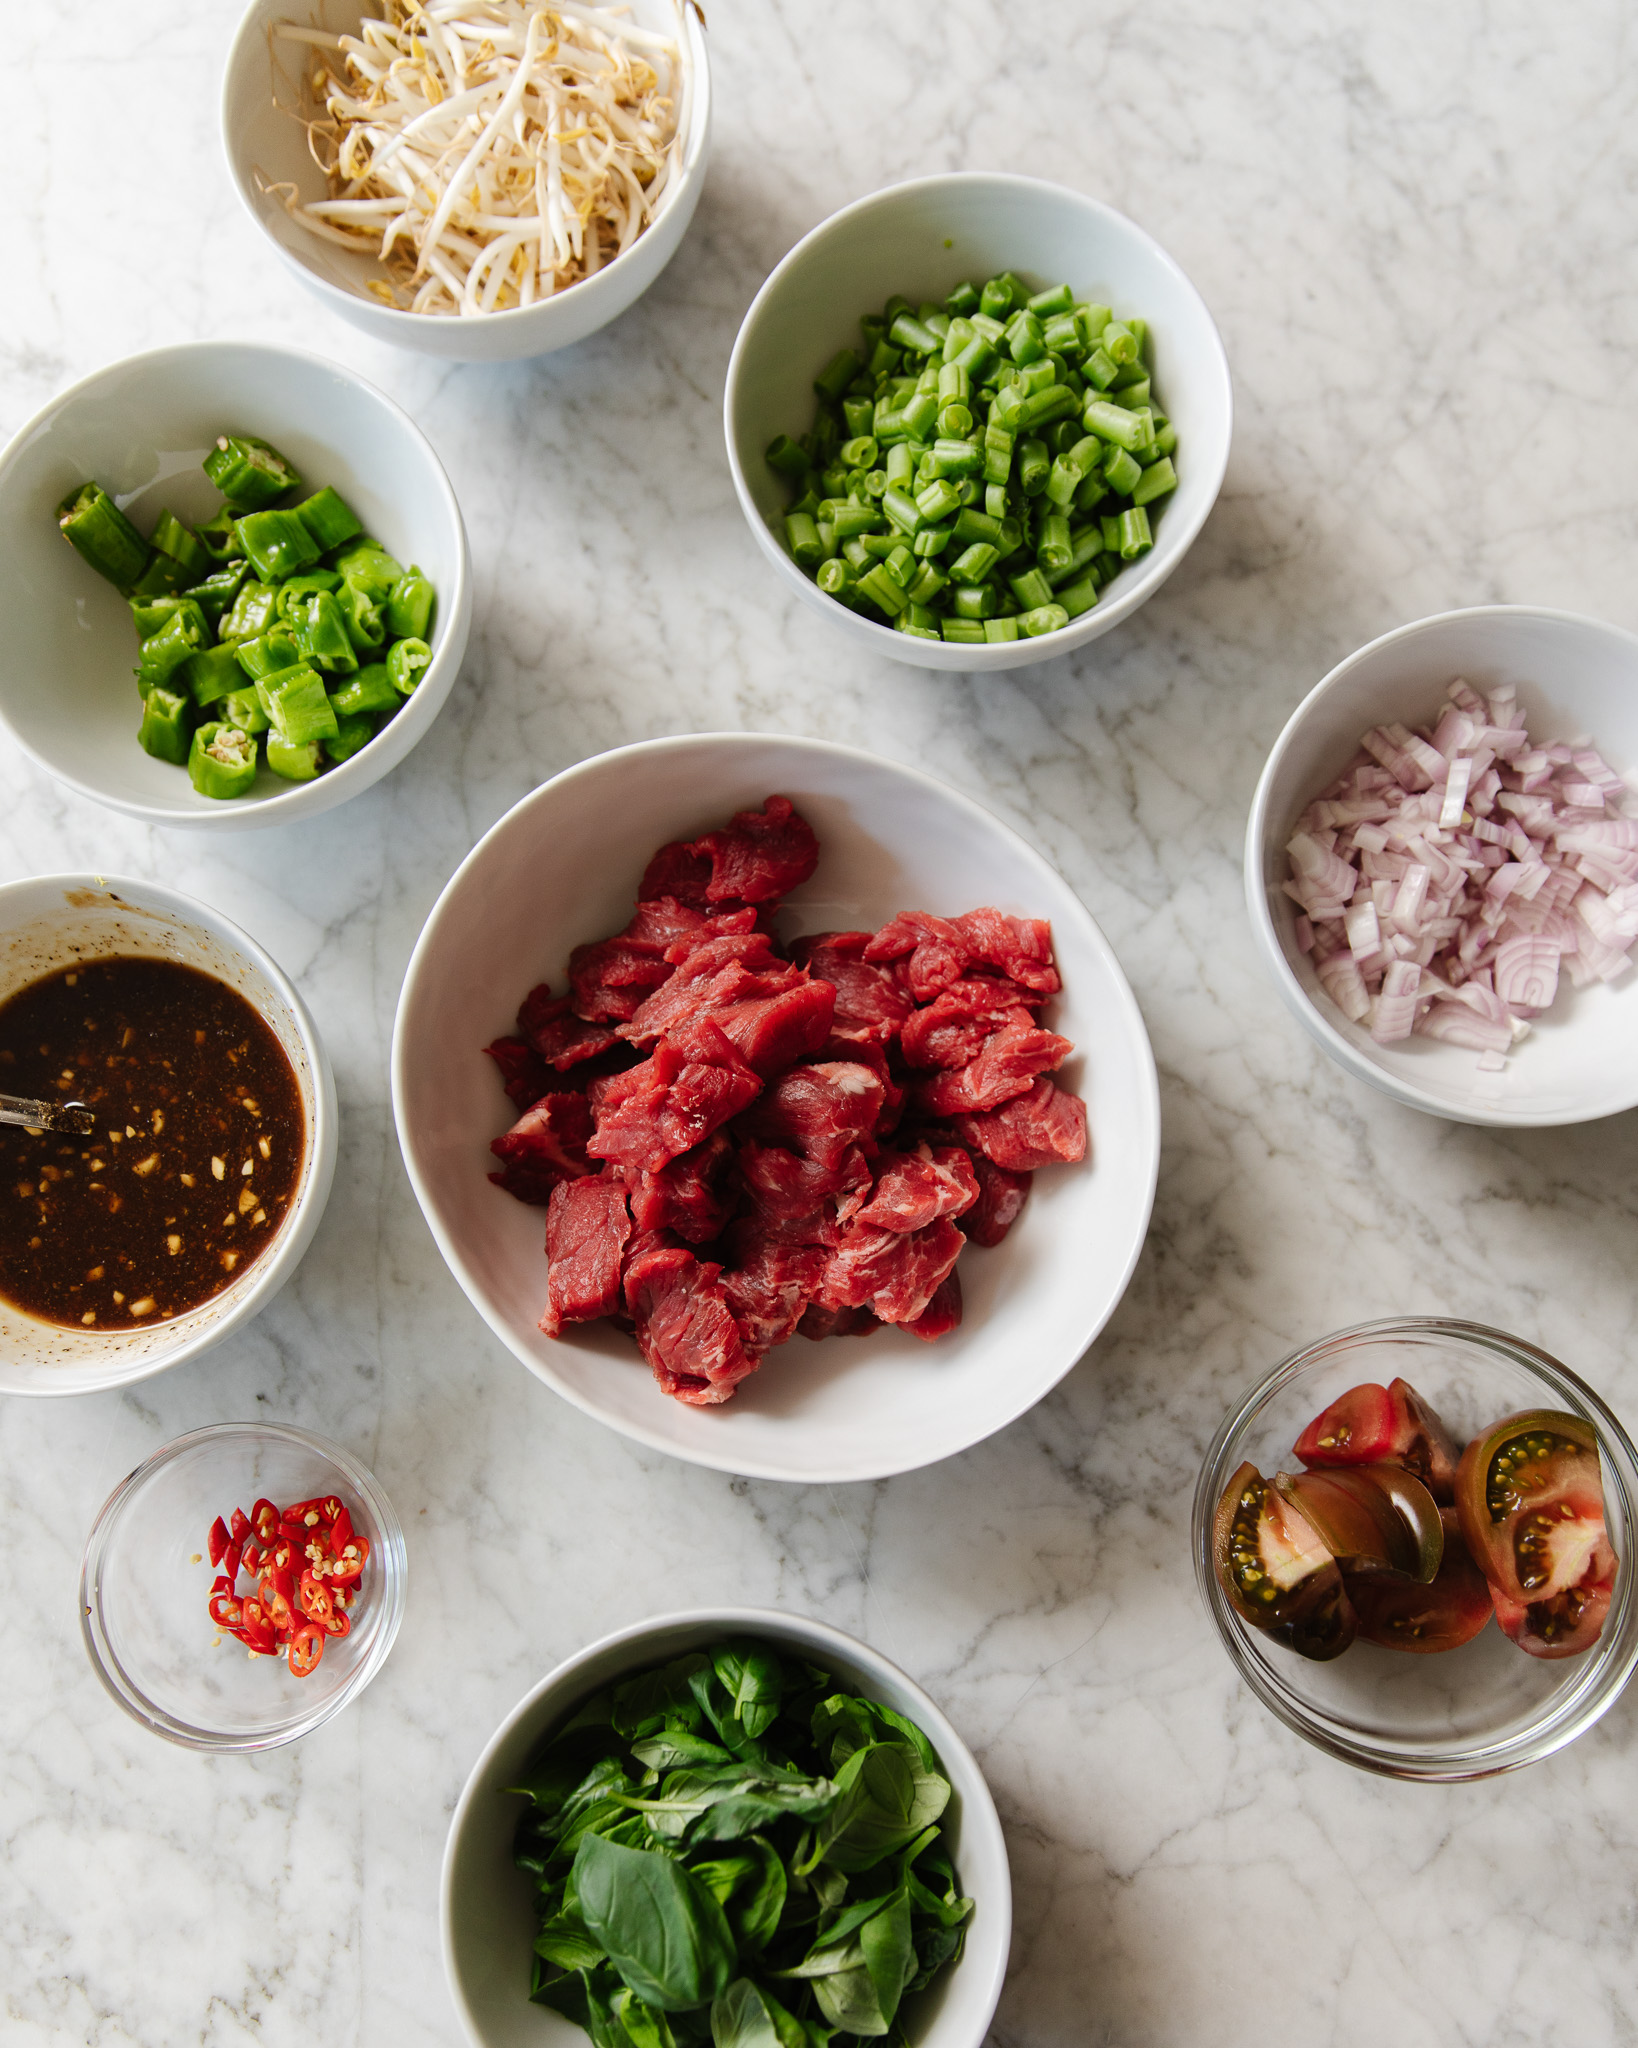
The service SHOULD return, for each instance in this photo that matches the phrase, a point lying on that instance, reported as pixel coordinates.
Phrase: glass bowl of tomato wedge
(1415, 1539)
(242, 1585)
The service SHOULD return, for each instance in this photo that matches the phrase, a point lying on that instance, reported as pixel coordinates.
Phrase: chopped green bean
(999, 632)
(837, 375)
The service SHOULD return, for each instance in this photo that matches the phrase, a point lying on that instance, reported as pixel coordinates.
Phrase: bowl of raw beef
(1442, 866)
(720, 1044)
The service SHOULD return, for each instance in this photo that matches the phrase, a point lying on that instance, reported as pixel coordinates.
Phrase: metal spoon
(47, 1116)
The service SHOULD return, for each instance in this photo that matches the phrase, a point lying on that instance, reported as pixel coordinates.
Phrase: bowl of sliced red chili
(242, 1585)
(770, 1040)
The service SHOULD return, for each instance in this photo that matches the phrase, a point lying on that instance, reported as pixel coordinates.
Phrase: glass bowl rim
(1604, 1672)
(103, 1535)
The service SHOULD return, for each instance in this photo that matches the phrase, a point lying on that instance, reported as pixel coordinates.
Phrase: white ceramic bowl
(53, 922)
(141, 428)
(1576, 678)
(921, 240)
(561, 868)
(266, 145)
(486, 1909)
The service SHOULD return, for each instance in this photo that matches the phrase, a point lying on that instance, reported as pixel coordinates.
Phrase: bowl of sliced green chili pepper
(980, 414)
(730, 1826)
(238, 585)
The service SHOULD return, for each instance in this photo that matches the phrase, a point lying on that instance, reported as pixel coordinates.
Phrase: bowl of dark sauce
(180, 1214)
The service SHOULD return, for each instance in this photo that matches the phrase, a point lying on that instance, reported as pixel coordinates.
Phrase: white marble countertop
(1414, 227)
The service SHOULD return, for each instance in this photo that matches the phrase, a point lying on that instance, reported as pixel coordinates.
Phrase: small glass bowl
(143, 1598)
(1465, 1713)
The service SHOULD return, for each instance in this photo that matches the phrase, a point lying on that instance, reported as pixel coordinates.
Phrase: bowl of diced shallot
(1442, 866)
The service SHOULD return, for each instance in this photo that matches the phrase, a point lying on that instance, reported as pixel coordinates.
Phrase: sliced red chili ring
(341, 1531)
(256, 1624)
(266, 1518)
(306, 1648)
(218, 1540)
(348, 1568)
(313, 1598)
(225, 1610)
(250, 1558)
(335, 1623)
(238, 1525)
(232, 1561)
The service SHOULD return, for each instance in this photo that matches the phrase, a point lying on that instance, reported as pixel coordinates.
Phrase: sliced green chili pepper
(150, 613)
(296, 705)
(216, 594)
(352, 736)
(295, 763)
(277, 543)
(167, 725)
(172, 538)
(409, 608)
(368, 564)
(329, 519)
(268, 653)
(406, 662)
(321, 633)
(368, 694)
(216, 536)
(182, 634)
(210, 673)
(243, 708)
(100, 534)
(253, 611)
(249, 473)
(161, 575)
(362, 617)
(222, 761)
(304, 586)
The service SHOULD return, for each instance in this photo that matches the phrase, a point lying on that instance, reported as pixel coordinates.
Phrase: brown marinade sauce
(195, 1158)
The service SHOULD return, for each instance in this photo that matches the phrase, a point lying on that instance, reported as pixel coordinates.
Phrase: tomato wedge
(1531, 1502)
(1399, 1614)
(1372, 1425)
(306, 1648)
(1564, 1626)
(1276, 1571)
(218, 1540)
(1371, 1517)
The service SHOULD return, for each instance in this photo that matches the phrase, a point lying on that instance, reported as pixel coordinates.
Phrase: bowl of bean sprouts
(477, 179)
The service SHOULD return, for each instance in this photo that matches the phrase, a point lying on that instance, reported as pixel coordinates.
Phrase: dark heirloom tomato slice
(1276, 1571)
(1531, 1504)
(1399, 1614)
(1372, 1425)
(1564, 1626)
(1371, 1517)
(1422, 1444)
(1357, 1429)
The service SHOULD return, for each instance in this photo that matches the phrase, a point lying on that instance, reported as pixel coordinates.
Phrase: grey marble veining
(1414, 226)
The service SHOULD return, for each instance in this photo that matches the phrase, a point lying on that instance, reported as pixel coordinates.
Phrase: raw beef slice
(587, 1226)
(1006, 1066)
(1046, 1127)
(895, 1273)
(685, 1327)
(916, 1188)
(819, 1110)
(672, 1101)
(547, 1144)
(870, 1005)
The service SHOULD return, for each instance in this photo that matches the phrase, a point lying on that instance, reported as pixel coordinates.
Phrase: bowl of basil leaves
(730, 1827)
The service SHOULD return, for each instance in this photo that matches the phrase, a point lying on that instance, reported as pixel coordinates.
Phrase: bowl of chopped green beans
(237, 582)
(980, 414)
(846, 1820)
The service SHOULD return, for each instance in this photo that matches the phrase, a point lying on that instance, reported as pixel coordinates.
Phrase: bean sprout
(489, 153)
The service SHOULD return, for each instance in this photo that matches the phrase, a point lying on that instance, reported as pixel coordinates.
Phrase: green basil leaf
(889, 1952)
(885, 1800)
(721, 1805)
(563, 1940)
(754, 1680)
(747, 2016)
(935, 1946)
(643, 1705)
(643, 2026)
(750, 1887)
(660, 1927)
(673, 1747)
(848, 2000)
(847, 1724)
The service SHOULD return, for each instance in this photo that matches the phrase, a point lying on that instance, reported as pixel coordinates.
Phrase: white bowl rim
(738, 1464)
(337, 784)
(286, 1253)
(394, 1592)
(508, 317)
(1101, 618)
(931, 1718)
(1295, 996)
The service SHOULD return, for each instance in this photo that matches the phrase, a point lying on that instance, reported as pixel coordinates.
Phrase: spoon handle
(46, 1116)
